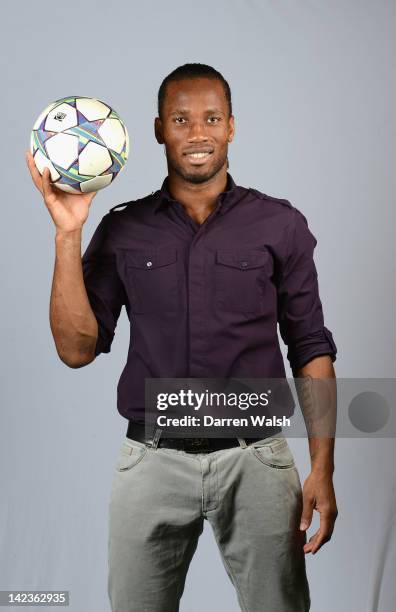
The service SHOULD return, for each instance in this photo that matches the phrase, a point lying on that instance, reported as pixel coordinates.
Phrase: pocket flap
(148, 260)
(243, 260)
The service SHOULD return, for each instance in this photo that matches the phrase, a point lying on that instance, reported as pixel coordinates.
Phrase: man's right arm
(73, 323)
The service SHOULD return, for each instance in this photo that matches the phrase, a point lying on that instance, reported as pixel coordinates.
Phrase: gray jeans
(251, 495)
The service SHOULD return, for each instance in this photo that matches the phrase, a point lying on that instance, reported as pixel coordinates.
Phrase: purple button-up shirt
(205, 300)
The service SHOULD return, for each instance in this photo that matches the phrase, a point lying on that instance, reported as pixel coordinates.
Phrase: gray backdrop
(313, 88)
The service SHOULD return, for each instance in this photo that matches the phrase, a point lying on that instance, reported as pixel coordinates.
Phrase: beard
(198, 174)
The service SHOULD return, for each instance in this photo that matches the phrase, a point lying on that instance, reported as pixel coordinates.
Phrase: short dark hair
(193, 71)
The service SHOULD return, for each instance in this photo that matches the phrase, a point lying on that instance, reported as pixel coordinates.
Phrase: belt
(137, 431)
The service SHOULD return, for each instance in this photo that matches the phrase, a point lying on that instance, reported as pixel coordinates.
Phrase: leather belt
(137, 431)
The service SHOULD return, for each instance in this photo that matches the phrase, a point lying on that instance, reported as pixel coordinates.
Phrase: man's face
(195, 128)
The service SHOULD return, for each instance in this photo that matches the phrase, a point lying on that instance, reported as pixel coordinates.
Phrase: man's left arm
(311, 353)
(316, 388)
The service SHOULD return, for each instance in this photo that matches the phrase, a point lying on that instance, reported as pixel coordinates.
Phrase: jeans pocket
(276, 454)
(129, 455)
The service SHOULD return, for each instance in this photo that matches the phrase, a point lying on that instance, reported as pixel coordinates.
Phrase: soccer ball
(82, 141)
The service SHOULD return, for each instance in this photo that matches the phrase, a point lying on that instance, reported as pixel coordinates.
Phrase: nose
(197, 132)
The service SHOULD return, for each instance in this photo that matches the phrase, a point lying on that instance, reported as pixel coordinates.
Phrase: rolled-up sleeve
(300, 313)
(104, 288)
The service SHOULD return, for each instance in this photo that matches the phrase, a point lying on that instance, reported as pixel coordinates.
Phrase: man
(205, 269)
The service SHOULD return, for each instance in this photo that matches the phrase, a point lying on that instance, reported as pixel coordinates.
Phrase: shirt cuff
(305, 349)
(103, 342)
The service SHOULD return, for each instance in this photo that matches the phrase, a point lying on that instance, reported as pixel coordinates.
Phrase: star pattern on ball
(86, 131)
(116, 166)
(40, 136)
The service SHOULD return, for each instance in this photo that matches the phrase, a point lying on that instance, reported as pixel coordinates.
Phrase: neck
(197, 197)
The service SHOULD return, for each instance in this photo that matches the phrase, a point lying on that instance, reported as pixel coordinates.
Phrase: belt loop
(242, 442)
(156, 437)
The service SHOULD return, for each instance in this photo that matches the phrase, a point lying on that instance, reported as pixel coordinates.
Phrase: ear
(158, 130)
(231, 128)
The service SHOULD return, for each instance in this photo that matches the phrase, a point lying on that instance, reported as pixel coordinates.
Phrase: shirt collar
(225, 198)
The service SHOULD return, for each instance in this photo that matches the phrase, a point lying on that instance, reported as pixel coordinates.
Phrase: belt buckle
(196, 445)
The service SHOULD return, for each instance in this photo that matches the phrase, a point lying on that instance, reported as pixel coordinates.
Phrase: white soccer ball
(82, 141)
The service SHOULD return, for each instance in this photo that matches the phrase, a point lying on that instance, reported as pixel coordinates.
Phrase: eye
(179, 119)
(213, 119)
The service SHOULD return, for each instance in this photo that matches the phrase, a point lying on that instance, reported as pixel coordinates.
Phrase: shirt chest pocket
(152, 279)
(241, 278)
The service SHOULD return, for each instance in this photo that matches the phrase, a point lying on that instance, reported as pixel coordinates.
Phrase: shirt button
(244, 264)
(149, 264)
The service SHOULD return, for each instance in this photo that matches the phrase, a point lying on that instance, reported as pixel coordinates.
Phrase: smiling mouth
(198, 157)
